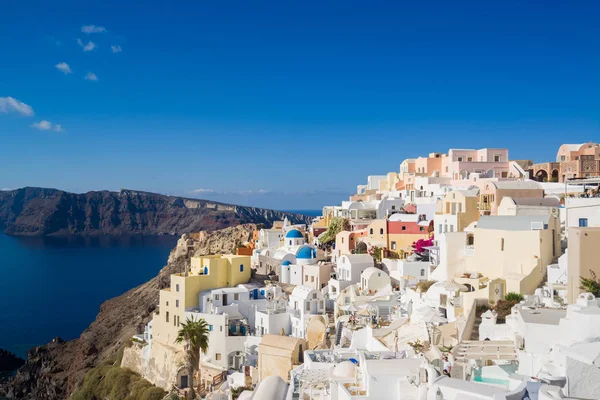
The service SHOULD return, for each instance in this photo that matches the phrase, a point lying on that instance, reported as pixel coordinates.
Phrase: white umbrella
(349, 307)
(428, 315)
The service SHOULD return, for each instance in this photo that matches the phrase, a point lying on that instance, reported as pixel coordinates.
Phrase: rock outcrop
(39, 211)
(54, 370)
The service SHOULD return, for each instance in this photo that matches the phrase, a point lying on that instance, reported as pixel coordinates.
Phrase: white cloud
(12, 105)
(44, 125)
(116, 48)
(93, 29)
(204, 191)
(63, 67)
(91, 77)
(87, 47)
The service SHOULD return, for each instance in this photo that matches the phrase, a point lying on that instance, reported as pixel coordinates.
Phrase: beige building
(583, 252)
(515, 248)
(572, 161)
(278, 355)
(525, 206)
(492, 193)
(457, 210)
(316, 276)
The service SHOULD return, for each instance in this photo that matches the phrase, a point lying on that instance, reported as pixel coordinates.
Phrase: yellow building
(456, 211)
(582, 258)
(278, 355)
(515, 248)
(208, 272)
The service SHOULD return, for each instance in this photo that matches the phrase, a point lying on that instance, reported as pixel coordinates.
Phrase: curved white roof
(345, 369)
(372, 270)
(272, 388)
(281, 253)
(302, 291)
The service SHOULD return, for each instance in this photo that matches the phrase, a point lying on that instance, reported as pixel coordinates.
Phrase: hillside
(51, 212)
(54, 370)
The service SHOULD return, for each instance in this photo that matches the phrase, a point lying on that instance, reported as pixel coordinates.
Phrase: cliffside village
(464, 275)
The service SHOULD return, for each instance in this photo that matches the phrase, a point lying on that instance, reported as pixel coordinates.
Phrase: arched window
(470, 240)
(371, 231)
(205, 270)
(422, 272)
(381, 231)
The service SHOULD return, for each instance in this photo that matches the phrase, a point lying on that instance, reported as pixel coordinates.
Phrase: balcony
(485, 206)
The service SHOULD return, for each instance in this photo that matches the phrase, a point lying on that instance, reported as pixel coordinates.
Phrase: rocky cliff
(39, 211)
(54, 370)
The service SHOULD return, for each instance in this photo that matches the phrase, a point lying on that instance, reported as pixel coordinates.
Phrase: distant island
(32, 211)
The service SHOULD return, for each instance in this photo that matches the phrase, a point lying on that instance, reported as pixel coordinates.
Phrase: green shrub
(481, 308)
(512, 296)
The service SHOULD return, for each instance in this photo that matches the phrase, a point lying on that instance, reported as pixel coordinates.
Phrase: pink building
(489, 163)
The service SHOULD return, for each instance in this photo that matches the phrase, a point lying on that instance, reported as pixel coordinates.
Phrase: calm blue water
(54, 286)
(311, 213)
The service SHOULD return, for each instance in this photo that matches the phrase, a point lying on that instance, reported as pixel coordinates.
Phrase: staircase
(475, 331)
(338, 333)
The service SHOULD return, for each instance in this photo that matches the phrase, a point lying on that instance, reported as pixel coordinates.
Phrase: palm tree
(194, 336)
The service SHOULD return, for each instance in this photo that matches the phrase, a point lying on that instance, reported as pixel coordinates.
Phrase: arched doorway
(555, 175)
(361, 248)
(541, 176)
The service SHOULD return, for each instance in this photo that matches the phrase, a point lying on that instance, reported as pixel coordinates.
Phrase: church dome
(294, 234)
(286, 262)
(306, 253)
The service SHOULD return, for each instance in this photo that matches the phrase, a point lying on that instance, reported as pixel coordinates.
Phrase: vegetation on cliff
(108, 381)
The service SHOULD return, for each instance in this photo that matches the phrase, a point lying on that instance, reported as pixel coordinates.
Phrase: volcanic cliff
(54, 370)
(45, 212)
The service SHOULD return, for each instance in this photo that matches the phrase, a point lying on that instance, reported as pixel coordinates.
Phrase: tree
(194, 336)
(336, 225)
(591, 284)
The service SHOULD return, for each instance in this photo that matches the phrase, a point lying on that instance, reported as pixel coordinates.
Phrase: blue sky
(281, 104)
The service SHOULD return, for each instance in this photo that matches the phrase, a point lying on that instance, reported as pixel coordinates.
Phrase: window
(583, 222)
(210, 328)
(321, 304)
(167, 304)
(502, 244)
(440, 228)
(241, 267)
(451, 228)
(403, 227)
(497, 158)
(236, 296)
(221, 328)
(562, 158)
(176, 303)
(314, 295)
(167, 315)
(393, 207)
(459, 158)
(205, 270)
(312, 278)
(216, 297)
(177, 287)
(307, 306)
(342, 239)
(371, 231)
(290, 242)
(422, 272)
(218, 356)
(421, 228)
(305, 278)
(469, 159)
(393, 245)
(470, 240)
(178, 320)
(381, 231)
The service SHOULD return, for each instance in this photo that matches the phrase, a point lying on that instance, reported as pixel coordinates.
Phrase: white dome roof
(345, 369)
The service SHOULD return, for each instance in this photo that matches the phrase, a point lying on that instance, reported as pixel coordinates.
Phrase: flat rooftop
(543, 316)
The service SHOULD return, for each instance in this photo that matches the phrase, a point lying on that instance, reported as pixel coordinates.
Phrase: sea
(53, 286)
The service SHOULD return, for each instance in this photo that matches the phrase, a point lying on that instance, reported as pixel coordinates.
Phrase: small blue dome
(286, 262)
(294, 234)
(306, 253)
